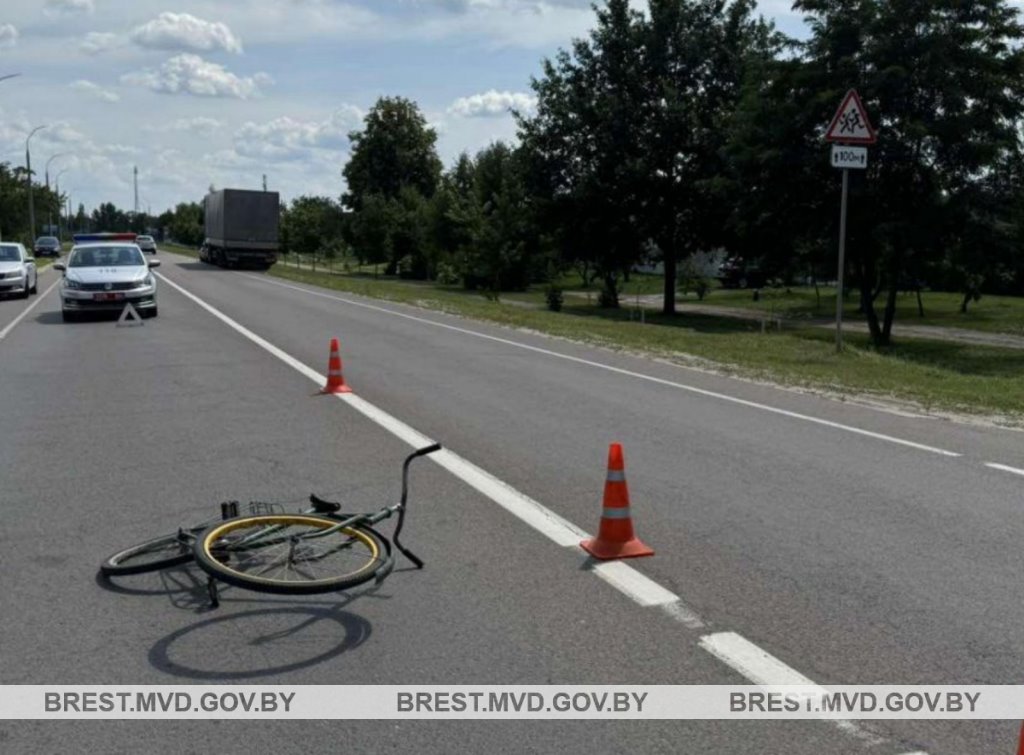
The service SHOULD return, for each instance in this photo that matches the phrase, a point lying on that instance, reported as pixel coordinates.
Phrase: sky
(223, 92)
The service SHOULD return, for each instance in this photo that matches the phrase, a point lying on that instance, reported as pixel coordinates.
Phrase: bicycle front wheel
(292, 554)
(152, 555)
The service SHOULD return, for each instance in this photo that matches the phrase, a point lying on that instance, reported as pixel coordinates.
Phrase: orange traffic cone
(335, 380)
(615, 538)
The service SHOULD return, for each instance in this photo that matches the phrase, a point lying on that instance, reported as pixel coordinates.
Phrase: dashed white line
(762, 668)
(29, 308)
(1004, 468)
(621, 371)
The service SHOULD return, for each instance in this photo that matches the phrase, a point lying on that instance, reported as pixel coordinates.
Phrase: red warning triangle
(850, 124)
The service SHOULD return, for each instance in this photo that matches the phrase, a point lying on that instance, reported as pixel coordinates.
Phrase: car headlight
(71, 283)
(147, 281)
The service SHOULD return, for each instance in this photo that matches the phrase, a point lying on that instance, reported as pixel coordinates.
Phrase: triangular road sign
(129, 317)
(850, 124)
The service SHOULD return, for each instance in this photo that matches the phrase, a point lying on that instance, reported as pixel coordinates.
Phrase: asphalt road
(854, 545)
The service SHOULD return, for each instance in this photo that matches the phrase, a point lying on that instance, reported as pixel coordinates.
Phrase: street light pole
(56, 182)
(28, 167)
(49, 204)
(4, 78)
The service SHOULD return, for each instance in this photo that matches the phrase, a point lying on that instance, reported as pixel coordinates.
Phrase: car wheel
(25, 291)
(35, 285)
(152, 312)
(68, 316)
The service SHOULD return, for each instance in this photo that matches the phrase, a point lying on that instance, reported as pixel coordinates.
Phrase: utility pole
(28, 177)
(264, 182)
(136, 172)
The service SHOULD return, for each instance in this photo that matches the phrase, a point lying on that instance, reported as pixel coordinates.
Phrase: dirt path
(933, 332)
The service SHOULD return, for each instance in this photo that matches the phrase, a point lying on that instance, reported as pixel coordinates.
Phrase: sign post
(849, 126)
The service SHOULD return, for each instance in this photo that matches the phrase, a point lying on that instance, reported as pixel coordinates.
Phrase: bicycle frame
(321, 506)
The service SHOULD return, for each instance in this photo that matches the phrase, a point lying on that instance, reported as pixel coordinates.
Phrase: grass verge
(934, 374)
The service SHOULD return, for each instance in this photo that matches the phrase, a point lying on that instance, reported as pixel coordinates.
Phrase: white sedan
(105, 276)
(17, 270)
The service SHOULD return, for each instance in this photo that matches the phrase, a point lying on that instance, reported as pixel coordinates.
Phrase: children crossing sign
(849, 127)
(850, 124)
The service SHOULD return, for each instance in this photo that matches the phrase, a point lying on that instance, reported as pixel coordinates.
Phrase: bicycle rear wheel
(291, 554)
(152, 555)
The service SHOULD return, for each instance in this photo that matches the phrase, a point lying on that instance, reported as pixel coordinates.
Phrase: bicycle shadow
(265, 645)
(187, 587)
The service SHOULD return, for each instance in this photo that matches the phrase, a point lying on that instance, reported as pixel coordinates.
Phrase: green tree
(188, 224)
(586, 143)
(697, 55)
(943, 81)
(395, 150)
(108, 218)
(392, 171)
(311, 223)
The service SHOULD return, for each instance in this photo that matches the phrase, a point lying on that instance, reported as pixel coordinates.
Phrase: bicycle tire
(259, 553)
(152, 555)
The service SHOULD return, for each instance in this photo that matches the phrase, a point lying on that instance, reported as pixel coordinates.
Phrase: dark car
(47, 246)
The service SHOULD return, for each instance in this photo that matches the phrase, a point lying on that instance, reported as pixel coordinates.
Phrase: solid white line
(621, 371)
(764, 669)
(1004, 468)
(624, 578)
(29, 308)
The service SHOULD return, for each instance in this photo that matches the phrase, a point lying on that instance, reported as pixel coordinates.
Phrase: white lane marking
(762, 668)
(29, 308)
(621, 371)
(1004, 468)
(624, 578)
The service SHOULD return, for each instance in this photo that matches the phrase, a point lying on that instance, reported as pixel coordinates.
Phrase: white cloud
(187, 73)
(68, 7)
(201, 124)
(492, 104)
(287, 138)
(181, 31)
(98, 41)
(8, 35)
(88, 87)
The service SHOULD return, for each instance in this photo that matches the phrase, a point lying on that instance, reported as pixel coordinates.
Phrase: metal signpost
(849, 126)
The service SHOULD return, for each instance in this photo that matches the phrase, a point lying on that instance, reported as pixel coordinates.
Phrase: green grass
(934, 374)
(994, 314)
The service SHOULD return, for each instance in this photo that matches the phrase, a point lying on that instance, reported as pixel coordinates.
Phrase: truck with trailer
(241, 228)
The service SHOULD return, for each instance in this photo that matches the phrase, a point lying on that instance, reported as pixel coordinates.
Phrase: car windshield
(145, 238)
(106, 256)
(47, 241)
(9, 253)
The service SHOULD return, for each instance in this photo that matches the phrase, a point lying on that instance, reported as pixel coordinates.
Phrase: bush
(447, 274)
(554, 298)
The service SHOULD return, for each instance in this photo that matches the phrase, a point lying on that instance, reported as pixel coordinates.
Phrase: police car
(104, 272)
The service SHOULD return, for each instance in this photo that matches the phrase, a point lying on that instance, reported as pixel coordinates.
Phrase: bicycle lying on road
(316, 551)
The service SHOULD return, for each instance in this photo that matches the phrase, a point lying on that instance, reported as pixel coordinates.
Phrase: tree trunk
(817, 293)
(890, 315)
(963, 304)
(920, 304)
(867, 297)
(669, 304)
